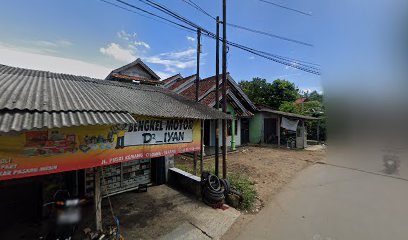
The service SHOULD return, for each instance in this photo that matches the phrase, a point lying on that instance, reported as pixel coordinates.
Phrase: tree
(314, 96)
(283, 91)
(270, 94)
(310, 108)
(258, 90)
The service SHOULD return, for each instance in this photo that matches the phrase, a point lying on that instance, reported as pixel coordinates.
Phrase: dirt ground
(268, 168)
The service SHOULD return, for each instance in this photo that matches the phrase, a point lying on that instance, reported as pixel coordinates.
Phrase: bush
(246, 187)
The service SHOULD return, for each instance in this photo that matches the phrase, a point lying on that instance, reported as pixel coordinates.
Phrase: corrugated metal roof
(294, 115)
(41, 91)
(21, 120)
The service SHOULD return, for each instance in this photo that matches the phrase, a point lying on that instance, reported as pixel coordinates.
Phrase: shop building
(56, 129)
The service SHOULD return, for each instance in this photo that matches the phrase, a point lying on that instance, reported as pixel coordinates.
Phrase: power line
(287, 8)
(272, 57)
(140, 9)
(197, 7)
(270, 34)
(167, 21)
(292, 64)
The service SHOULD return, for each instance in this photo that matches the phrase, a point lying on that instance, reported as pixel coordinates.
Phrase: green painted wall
(256, 128)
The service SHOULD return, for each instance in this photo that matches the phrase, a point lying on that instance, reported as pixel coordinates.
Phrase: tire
(214, 182)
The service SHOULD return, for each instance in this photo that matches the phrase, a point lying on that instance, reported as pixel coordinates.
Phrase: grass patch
(238, 181)
(246, 187)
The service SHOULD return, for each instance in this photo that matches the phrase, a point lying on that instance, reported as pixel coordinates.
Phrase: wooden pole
(98, 198)
(224, 88)
(278, 128)
(217, 101)
(197, 95)
(202, 147)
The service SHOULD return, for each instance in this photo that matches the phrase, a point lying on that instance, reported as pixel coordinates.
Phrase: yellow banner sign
(48, 151)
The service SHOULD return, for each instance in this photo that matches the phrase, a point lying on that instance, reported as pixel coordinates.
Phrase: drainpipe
(233, 148)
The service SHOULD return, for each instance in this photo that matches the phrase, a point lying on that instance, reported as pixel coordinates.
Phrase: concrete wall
(184, 182)
(256, 127)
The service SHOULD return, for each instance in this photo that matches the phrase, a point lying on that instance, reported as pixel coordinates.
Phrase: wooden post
(197, 93)
(98, 198)
(202, 147)
(278, 131)
(224, 88)
(318, 131)
(217, 99)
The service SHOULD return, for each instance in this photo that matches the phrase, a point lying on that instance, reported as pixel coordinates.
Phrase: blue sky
(91, 38)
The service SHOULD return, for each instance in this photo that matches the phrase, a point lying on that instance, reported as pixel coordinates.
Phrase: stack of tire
(213, 189)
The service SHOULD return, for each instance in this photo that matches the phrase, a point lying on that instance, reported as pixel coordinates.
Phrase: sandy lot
(268, 168)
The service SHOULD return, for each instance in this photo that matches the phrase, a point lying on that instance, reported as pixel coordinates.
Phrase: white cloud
(117, 52)
(174, 61)
(171, 65)
(125, 36)
(65, 43)
(20, 58)
(311, 89)
(163, 75)
(49, 44)
(131, 48)
(44, 43)
(190, 38)
(188, 54)
(251, 57)
(140, 43)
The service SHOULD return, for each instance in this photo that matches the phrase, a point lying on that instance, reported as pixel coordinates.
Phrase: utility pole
(217, 97)
(197, 96)
(224, 88)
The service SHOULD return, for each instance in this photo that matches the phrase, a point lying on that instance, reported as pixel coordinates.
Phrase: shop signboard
(46, 151)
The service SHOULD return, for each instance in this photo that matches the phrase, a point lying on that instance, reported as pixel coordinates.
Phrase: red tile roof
(300, 100)
(205, 85)
(210, 98)
(179, 82)
(178, 75)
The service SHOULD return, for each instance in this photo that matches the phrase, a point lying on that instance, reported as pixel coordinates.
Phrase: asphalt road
(327, 202)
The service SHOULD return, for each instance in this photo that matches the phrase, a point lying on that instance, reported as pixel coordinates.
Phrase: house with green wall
(269, 126)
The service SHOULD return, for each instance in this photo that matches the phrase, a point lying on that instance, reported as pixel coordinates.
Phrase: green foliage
(283, 91)
(289, 107)
(270, 94)
(307, 108)
(246, 187)
(258, 90)
(312, 129)
(314, 96)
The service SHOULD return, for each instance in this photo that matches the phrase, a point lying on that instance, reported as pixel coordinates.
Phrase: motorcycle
(65, 216)
(391, 164)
